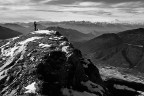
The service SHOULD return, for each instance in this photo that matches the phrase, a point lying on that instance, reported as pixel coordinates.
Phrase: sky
(69, 10)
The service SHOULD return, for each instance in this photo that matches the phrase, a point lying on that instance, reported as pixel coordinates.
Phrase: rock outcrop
(44, 63)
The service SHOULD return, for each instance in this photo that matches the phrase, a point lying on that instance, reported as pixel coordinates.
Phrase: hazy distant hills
(97, 28)
(23, 28)
(72, 35)
(101, 43)
(135, 36)
(31, 26)
(16, 27)
(123, 49)
(6, 33)
(34, 63)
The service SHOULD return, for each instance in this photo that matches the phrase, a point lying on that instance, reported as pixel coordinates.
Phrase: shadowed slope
(123, 49)
(6, 33)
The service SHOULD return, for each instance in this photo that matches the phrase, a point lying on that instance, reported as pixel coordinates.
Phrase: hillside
(124, 49)
(16, 27)
(45, 63)
(71, 34)
(6, 33)
(21, 28)
(97, 28)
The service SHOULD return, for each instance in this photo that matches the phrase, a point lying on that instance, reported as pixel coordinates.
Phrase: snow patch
(70, 92)
(14, 38)
(76, 93)
(19, 47)
(85, 65)
(63, 43)
(5, 45)
(65, 49)
(44, 45)
(31, 88)
(141, 93)
(90, 85)
(12, 52)
(44, 32)
(9, 52)
(110, 73)
(56, 38)
(28, 40)
(114, 73)
(2, 75)
(135, 45)
(123, 87)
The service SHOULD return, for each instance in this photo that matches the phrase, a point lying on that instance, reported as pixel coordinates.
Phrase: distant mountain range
(97, 28)
(25, 29)
(6, 33)
(45, 63)
(16, 27)
(125, 49)
(72, 35)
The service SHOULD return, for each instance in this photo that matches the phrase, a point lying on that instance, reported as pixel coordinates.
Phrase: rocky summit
(45, 63)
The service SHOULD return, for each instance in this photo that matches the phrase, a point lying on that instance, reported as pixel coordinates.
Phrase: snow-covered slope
(44, 63)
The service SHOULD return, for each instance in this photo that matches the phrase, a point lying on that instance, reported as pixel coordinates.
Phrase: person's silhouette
(35, 26)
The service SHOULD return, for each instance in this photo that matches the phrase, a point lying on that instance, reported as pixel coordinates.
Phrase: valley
(117, 55)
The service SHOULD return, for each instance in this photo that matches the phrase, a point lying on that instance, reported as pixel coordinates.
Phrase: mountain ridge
(6, 33)
(44, 63)
(124, 48)
(71, 34)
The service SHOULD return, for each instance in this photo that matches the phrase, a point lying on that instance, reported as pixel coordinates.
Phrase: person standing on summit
(35, 26)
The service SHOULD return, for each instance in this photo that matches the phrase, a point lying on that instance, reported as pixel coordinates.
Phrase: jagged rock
(44, 63)
(119, 87)
(120, 83)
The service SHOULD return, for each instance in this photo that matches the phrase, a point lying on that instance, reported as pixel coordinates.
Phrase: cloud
(93, 13)
(13, 8)
(112, 1)
(90, 3)
(72, 9)
(55, 2)
(135, 4)
(23, 2)
(13, 2)
(133, 11)
(19, 18)
(40, 1)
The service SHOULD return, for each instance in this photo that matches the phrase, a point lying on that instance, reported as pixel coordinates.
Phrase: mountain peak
(44, 63)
